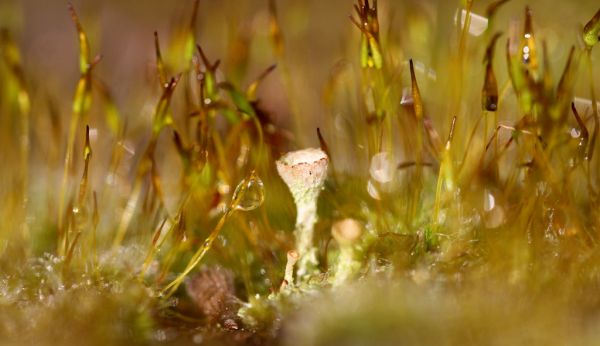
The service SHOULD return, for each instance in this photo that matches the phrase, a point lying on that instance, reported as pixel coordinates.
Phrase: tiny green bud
(346, 233)
(288, 278)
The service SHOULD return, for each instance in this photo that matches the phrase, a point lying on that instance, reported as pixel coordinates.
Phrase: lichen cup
(304, 172)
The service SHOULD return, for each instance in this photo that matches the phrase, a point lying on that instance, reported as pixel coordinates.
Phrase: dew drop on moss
(249, 194)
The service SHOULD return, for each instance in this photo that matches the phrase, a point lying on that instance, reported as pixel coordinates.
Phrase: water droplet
(495, 217)
(223, 188)
(441, 217)
(478, 24)
(249, 194)
(198, 338)
(223, 240)
(372, 190)
(160, 335)
(489, 202)
(382, 169)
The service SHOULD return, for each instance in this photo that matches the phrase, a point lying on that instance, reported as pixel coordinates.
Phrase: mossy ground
(141, 204)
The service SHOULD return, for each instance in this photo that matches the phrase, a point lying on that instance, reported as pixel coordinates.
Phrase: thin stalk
(462, 43)
(161, 119)
(419, 115)
(592, 144)
(11, 56)
(444, 172)
(81, 105)
(154, 247)
(95, 221)
(67, 165)
(130, 207)
(197, 257)
(238, 202)
(278, 43)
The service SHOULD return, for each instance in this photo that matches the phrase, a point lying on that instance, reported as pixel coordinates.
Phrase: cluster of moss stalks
(476, 222)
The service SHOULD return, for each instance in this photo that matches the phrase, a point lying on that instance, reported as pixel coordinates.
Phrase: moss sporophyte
(455, 173)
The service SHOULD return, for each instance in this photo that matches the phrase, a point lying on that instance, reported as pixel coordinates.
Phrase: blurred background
(317, 35)
(317, 82)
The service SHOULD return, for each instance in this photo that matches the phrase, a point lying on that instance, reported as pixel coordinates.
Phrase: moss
(452, 199)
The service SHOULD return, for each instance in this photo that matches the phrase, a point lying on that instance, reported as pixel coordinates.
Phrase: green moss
(474, 185)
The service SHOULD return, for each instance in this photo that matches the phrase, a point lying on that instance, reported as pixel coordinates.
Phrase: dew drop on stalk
(372, 190)
(528, 50)
(381, 168)
(489, 202)
(249, 194)
(478, 24)
(223, 240)
(575, 132)
(495, 217)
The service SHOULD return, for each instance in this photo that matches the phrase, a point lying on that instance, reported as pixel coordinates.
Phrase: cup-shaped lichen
(304, 172)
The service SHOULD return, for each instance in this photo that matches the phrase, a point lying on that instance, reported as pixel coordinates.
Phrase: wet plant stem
(462, 44)
(239, 199)
(130, 207)
(592, 144)
(198, 255)
(81, 99)
(418, 169)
